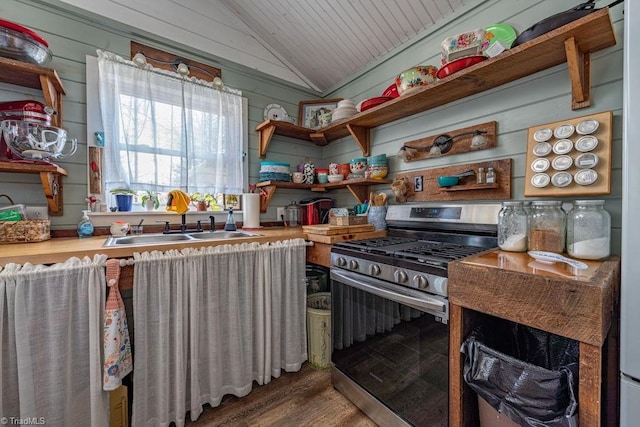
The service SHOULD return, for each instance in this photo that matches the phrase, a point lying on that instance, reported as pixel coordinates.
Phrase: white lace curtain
(210, 321)
(163, 131)
(51, 341)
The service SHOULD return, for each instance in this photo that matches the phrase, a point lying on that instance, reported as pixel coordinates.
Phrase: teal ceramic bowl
(448, 181)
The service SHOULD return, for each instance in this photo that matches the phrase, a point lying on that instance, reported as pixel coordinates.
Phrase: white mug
(298, 177)
(119, 228)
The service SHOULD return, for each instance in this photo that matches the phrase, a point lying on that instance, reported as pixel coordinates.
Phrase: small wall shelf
(50, 176)
(572, 43)
(36, 77)
(359, 188)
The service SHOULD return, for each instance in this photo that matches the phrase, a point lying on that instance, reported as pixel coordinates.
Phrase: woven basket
(28, 231)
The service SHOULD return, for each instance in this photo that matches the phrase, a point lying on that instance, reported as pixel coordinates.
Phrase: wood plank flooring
(303, 398)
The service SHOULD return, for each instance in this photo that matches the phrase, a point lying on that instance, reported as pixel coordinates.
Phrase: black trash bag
(529, 375)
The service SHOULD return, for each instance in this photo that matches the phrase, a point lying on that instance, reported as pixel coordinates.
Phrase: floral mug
(119, 228)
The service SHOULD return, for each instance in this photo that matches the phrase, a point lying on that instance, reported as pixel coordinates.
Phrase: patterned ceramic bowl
(358, 166)
(415, 77)
(378, 172)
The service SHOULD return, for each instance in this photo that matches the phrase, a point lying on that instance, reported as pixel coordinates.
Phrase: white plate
(586, 177)
(562, 146)
(274, 112)
(540, 180)
(586, 143)
(562, 163)
(587, 126)
(561, 179)
(540, 165)
(564, 131)
(587, 160)
(541, 149)
(542, 135)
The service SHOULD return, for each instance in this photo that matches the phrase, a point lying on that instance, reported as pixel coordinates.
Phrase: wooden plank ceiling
(328, 41)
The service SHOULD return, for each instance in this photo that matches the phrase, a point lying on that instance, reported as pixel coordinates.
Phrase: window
(164, 132)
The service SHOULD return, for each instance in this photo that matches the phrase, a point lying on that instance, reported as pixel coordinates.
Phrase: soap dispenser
(230, 225)
(85, 226)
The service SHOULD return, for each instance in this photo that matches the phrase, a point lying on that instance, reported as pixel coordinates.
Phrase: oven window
(398, 354)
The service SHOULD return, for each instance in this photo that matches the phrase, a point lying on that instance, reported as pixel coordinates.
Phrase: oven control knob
(341, 262)
(421, 281)
(401, 276)
(353, 264)
(375, 270)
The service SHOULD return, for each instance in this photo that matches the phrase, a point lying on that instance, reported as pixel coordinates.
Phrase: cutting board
(330, 230)
(344, 237)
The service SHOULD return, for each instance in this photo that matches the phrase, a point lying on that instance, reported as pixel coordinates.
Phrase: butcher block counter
(579, 304)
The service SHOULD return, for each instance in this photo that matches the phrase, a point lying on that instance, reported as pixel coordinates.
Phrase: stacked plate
(275, 171)
(346, 109)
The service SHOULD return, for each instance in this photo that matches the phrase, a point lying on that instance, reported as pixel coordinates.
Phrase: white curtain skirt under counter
(50, 342)
(210, 321)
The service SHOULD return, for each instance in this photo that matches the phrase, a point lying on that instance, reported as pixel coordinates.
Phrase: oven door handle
(415, 299)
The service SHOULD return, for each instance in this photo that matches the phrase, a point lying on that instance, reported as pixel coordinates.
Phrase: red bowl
(459, 64)
(374, 102)
(391, 91)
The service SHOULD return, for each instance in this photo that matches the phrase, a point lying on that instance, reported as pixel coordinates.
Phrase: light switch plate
(37, 212)
(280, 213)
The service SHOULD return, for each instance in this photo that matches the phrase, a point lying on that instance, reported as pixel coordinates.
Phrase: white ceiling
(316, 44)
(328, 41)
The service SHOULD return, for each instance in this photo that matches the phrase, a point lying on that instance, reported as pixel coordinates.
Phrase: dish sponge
(178, 202)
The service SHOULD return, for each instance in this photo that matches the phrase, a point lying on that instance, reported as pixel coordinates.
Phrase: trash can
(529, 375)
(319, 329)
(316, 279)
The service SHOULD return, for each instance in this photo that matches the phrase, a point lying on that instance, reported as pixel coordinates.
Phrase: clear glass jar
(588, 230)
(491, 176)
(481, 176)
(292, 215)
(547, 226)
(512, 227)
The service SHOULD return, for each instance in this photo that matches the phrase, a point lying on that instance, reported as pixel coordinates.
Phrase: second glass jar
(547, 226)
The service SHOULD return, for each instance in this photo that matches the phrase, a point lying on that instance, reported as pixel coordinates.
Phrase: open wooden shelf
(358, 187)
(50, 176)
(36, 77)
(572, 43)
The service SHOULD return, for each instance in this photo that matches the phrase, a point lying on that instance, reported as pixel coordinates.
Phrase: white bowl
(335, 178)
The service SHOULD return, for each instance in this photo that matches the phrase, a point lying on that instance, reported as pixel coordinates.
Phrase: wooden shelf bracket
(52, 187)
(362, 136)
(579, 64)
(266, 134)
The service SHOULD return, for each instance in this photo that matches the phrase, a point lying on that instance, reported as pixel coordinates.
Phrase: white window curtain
(163, 131)
(210, 321)
(51, 320)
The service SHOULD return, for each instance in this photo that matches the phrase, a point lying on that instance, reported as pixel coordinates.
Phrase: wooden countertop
(577, 304)
(61, 249)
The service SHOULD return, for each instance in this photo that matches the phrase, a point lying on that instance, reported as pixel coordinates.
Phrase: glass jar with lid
(588, 230)
(292, 215)
(547, 226)
(512, 227)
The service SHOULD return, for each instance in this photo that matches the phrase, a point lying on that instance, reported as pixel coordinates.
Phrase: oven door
(390, 350)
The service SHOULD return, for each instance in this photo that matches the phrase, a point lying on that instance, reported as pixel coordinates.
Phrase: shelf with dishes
(358, 187)
(50, 177)
(572, 43)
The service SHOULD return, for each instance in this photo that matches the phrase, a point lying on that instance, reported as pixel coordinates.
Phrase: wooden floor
(304, 398)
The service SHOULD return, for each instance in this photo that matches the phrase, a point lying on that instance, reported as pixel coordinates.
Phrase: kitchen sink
(158, 239)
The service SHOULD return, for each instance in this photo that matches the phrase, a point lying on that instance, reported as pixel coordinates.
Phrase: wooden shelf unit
(50, 177)
(36, 77)
(358, 187)
(572, 43)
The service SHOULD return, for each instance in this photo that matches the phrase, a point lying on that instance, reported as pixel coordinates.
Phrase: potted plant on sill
(124, 198)
(202, 201)
(150, 201)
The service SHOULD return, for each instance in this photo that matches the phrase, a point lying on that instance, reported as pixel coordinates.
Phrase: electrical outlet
(280, 213)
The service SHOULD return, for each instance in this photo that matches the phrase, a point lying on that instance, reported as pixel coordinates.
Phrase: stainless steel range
(390, 310)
